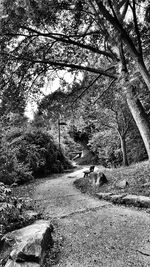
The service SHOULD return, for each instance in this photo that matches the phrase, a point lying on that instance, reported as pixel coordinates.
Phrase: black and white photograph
(74, 133)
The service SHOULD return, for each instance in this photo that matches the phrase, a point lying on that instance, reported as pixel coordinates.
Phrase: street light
(59, 124)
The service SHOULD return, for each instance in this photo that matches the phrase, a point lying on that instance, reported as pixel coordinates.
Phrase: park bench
(86, 173)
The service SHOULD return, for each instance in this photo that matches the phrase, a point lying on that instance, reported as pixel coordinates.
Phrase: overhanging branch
(61, 64)
(118, 26)
(66, 39)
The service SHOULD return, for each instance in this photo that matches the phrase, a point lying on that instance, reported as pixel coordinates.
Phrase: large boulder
(28, 244)
(98, 178)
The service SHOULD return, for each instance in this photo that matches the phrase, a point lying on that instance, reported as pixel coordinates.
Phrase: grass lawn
(137, 175)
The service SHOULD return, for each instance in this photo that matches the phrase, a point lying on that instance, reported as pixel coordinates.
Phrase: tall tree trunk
(124, 149)
(144, 72)
(135, 106)
(140, 117)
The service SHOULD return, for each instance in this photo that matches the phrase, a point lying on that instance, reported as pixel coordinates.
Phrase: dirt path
(95, 233)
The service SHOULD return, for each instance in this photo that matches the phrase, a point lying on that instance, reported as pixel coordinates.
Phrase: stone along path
(95, 233)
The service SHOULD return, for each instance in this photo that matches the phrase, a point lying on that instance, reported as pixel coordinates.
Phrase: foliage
(13, 210)
(98, 123)
(12, 100)
(28, 152)
(47, 158)
(135, 148)
(11, 168)
(80, 136)
(39, 37)
(107, 147)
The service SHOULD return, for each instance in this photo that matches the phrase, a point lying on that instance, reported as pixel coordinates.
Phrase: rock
(122, 184)
(117, 199)
(138, 201)
(98, 178)
(101, 179)
(105, 196)
(28, 244)
(111, 197)
(10, 263)
(144, 201)
(130, 200)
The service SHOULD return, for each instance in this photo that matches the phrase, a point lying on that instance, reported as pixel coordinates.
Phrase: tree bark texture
(144, 72)
(140, 117)
(124, 150)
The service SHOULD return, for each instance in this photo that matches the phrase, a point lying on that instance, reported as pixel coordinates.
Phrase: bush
(29, 153)
(45, 157)
(14, 211)
(106, 145)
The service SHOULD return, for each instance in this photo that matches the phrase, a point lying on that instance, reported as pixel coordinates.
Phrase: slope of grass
(137, 175)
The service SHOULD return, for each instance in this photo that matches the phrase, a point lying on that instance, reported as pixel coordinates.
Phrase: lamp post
(59, 124)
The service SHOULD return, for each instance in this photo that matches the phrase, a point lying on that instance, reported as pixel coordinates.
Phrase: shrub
(28, 153)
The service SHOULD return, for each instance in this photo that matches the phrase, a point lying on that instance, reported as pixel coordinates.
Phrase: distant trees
(99, 119)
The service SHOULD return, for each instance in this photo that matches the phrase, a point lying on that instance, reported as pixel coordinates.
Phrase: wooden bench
(86, 173)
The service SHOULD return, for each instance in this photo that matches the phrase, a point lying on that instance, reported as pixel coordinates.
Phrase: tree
(91, 32)
(119, 119)
(27, 152)
(115, 14)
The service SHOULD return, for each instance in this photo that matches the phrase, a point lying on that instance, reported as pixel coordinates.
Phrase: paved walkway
(95, 233)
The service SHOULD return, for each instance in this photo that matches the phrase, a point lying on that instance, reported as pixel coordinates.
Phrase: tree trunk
(124, 149)
(140, 117)
(144, 72)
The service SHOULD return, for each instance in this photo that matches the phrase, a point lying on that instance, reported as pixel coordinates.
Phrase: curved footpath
(95, 232)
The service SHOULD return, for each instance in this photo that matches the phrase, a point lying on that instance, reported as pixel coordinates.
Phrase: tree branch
(136, 27)
(62, 65)
(118, 26)
(126, 3)
(86, 89)
(105, 90)
(66, 39)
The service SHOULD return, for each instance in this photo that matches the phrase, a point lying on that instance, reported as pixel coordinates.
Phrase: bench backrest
(92, 168)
